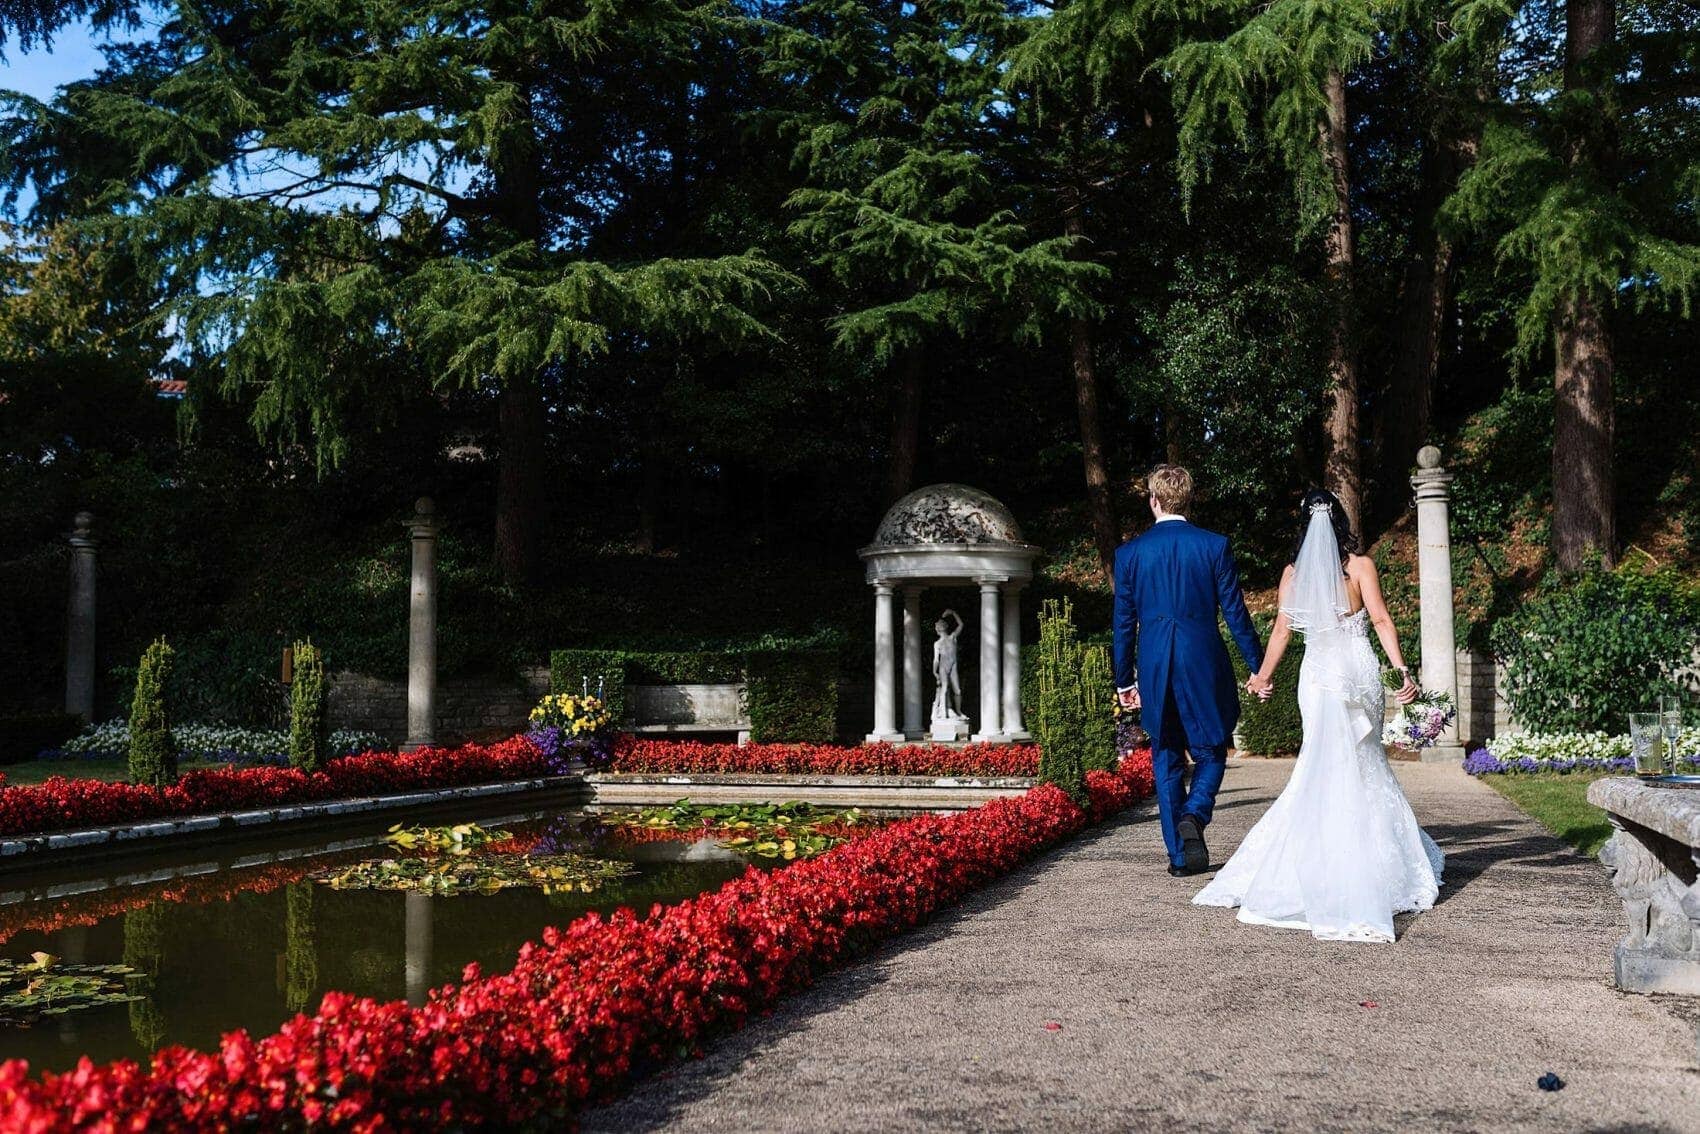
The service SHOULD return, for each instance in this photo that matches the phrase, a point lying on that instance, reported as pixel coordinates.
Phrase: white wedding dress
(1339, 852)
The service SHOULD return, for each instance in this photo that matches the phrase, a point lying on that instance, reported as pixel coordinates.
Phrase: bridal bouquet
(1420, 723)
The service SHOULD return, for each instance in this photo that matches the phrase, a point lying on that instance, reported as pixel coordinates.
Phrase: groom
(1171, 663)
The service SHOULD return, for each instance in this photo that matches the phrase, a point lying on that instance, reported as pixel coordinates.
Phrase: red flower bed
(62, 804)
(583, 1011)
(685, 757)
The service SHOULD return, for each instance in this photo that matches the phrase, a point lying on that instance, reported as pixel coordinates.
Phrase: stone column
(422, 629)
(1012, 726)
(914, 727)
(79, 622)
(1434, 572)
(417, 947)
(885, 668)
(991, 658)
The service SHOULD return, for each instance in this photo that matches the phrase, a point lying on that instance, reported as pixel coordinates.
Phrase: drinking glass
(1647, 743)
(1670, 723)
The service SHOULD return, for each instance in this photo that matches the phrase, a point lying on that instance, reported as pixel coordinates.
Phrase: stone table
(1654, 857)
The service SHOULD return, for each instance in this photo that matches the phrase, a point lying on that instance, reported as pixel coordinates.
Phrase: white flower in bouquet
(1420, 723)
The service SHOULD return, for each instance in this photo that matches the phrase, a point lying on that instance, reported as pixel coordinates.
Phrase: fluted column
(991, 659)
(1012, 726)
(885, 668)
(913, 726)
(79, 622)
(1433, 486)
(422, 629)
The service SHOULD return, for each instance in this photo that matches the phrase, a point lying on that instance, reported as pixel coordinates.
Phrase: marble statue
(947, 700)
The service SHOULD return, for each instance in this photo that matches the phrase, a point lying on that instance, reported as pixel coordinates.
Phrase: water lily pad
(43, 986)
(480, 874)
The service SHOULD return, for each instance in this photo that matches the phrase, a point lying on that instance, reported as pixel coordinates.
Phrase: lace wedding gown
(1339, 852)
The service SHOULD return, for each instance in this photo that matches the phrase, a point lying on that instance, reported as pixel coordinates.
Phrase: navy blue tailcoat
(1170, 583)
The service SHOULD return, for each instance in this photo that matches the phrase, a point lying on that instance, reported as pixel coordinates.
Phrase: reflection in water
(418, 946)
(73, 948)
(247, 943)
(144, 951)
(301, 947)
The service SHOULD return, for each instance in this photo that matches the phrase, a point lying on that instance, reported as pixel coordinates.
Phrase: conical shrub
(309, 714)
(1060, 725)
(153, 750)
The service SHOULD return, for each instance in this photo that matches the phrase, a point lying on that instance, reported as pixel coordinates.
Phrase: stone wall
(1483, 711)
(467, 708)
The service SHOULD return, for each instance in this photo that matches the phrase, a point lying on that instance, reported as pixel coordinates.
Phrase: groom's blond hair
(1172, 487)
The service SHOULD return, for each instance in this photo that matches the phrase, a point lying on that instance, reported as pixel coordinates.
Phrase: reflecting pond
(248, 939)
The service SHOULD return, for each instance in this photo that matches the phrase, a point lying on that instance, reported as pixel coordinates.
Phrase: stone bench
(1654, 857)
(676, 709)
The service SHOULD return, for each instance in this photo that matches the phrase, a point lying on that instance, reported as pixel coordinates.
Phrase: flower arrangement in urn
(569, 726)
(1419, 724)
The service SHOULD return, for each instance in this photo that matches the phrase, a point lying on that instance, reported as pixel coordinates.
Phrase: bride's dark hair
(1349, 545)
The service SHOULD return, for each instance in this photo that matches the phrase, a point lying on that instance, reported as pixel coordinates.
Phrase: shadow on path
(692, 1080)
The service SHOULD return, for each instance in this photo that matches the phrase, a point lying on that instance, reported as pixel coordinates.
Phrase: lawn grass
(108, 770)
(1559, 801)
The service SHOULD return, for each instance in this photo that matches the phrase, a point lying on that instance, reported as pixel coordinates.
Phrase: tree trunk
(1584, 519)
(905, 426)
(519, 481)
(1344, 461)
(519, 476)
(1100, 508)
(1407, 413)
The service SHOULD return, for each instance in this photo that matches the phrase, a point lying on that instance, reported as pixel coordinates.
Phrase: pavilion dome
(947, 515)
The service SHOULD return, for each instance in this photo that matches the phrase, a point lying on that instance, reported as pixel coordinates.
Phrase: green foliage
(1273, 727)
(793, 696)
(309, 716)
(301, 947)
(25, 735)
(42, 986)
(1586, 650)
(153, 750)
(144, 952)
(793, 693)
(1074, 723)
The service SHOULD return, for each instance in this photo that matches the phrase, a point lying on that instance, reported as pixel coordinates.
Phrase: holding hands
(1260, 686)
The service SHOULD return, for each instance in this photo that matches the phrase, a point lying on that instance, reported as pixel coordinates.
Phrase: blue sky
(41, 71)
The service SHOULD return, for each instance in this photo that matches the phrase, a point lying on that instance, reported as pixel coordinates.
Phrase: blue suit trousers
(1174, 798)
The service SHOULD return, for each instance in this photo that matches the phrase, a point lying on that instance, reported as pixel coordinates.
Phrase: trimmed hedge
(1272, 727)
(26, 735)
(793, 693)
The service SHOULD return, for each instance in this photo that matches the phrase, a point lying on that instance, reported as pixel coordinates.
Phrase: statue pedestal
(947, 730)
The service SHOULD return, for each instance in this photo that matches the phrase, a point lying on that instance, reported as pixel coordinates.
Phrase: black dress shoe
(1182, 872)
(1193, 850)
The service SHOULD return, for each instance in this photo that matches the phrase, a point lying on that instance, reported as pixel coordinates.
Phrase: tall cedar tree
(340, 197)
(1589, 176)
(892, 109)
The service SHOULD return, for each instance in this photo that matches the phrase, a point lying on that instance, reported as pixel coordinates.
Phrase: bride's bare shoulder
(1360, 565)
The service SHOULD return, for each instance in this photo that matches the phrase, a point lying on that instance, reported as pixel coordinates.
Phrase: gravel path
(1178, 1017)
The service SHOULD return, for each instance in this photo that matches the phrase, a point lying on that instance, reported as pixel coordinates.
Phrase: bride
(1339, 852)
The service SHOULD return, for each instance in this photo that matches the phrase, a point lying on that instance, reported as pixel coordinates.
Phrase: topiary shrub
(1098, 724)
(1060, 721)
(793, 696)
(1272, 727)
(309, 715)
(153, 750)
(1587, 649)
